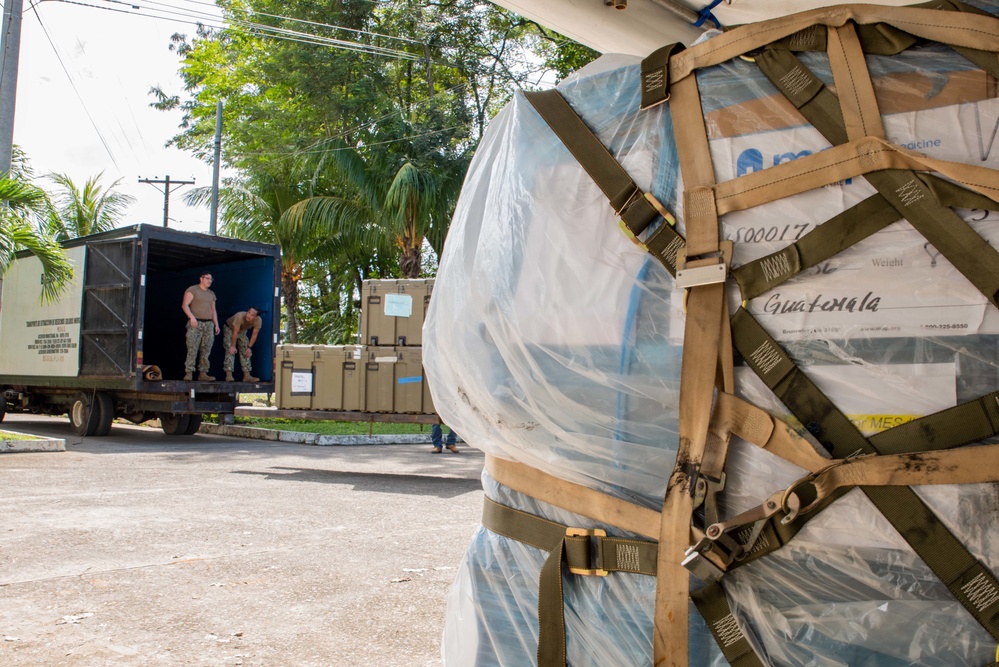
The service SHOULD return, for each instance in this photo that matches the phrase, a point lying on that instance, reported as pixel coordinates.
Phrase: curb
(298, 438)
(34, 445)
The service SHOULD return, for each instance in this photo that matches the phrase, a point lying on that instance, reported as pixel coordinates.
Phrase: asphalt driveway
(141, 549)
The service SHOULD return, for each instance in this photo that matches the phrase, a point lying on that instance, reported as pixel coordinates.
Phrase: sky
(83, 102)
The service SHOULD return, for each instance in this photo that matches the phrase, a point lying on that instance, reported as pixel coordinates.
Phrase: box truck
(112, 344)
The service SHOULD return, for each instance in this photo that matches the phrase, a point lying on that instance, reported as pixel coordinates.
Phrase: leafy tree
(87, 210)
(369, 140)
(26, 204)
(268, 212)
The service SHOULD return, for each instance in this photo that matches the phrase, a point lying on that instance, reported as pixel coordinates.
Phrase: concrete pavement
(141, 548)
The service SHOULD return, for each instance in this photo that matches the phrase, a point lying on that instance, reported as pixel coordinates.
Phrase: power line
(72, 83)
(274, 32)
(313, 23)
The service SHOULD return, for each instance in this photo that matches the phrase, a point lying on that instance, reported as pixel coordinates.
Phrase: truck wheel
(83, 415)
(3, 408)
(104, 405)
(193, 425)
(174, 424)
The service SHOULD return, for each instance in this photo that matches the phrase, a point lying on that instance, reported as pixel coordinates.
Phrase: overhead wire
(73, 85)
(307, 22)
(211, 20)
(214, 21)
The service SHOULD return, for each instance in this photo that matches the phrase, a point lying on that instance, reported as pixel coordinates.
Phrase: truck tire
(3, 408)
(193, 425)
(174, 424)
(104, 405)
(83, 415)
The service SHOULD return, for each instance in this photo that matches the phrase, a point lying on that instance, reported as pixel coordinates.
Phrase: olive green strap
(967, 579)
(841, 232)
(962, 424)
(713, 606)
(574, 547)
(826, 240)
(988, 61)
(626, 198)
(950, 235)
(655, 75)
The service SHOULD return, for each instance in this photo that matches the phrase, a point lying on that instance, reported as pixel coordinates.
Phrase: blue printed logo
(750, 160)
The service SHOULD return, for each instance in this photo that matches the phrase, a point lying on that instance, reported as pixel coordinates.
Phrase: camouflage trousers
(229, 363)
(199, 340)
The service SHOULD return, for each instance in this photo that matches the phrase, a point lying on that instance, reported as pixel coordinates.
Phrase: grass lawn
(324, 427)
(8, 435)
(333, 428)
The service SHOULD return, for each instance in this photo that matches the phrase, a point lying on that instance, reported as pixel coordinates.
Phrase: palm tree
(88, 210)
(26, 204)
(416, 205)
(268, 212)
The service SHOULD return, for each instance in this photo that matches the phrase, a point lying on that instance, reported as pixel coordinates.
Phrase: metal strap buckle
(660, 209)
(703, 275)
(588, 532)
(699, 564)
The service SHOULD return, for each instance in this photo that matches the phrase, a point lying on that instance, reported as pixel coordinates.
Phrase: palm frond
(18, 235)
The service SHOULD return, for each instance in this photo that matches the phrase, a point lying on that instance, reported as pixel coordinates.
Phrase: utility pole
(166, 193)
(11, 46)
(214, 216)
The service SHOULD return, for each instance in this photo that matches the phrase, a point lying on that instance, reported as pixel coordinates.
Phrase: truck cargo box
(119, 325)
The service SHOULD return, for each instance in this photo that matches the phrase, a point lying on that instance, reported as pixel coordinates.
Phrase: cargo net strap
(853, 125)
(591, 550)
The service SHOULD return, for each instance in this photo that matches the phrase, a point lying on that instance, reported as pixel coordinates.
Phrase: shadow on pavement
(425, 485)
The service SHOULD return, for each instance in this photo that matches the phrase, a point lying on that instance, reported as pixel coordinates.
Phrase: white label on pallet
(301, 382)
(894, 284)
(399, 305)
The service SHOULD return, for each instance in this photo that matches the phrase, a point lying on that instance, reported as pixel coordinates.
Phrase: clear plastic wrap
(554, 341)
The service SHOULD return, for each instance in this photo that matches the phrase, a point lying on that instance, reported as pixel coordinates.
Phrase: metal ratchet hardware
(709, 559)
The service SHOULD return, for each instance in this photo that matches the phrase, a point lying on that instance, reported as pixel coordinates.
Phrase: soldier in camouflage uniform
(202, 326)
(234, 338)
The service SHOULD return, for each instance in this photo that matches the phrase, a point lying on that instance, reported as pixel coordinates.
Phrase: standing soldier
(234, 335)
(202, 326)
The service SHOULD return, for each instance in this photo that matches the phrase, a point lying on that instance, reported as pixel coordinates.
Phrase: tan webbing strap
(915, 522)
(859, 106)
(574, 497)
(965, 465)
(738, 417)
(877, 39)
(574, 546)
(949, 234)
(702, 333)
(952, 28)
(703, 325)
(839, 163)
(984, 59)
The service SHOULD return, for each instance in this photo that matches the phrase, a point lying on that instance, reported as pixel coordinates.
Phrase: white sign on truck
(38, 337)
